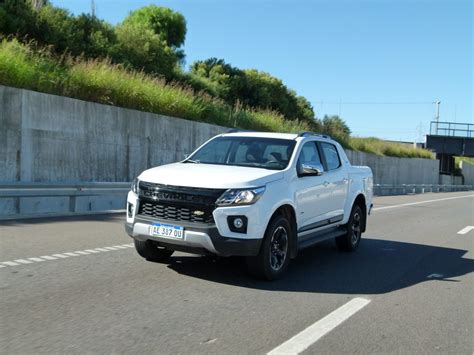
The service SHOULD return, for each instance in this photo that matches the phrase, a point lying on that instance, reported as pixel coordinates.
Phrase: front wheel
(151, 252)
(273, 258)
(351, 239)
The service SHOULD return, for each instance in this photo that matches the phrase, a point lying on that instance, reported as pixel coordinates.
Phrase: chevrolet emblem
(198, 213)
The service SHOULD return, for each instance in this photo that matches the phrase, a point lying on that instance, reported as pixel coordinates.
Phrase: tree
(230, 81)
(18, 18)
(141, 48)
(336, 128)
(168, 24)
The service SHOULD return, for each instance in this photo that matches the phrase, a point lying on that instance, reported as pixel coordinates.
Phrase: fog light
(238, 223)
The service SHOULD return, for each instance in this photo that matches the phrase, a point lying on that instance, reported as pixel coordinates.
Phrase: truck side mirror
(310, 169)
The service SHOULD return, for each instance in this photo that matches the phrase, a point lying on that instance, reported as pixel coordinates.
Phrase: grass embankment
(25, 66)
(380, 147)
(458, 160)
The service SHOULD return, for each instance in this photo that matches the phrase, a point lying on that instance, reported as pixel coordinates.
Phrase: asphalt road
(413, 271)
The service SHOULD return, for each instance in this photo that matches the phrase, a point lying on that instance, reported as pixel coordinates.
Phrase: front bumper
(199, 238)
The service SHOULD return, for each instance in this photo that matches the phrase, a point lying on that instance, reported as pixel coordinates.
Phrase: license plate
(166, 231)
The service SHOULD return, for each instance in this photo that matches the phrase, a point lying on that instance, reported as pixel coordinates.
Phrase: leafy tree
(18, 17)
(336, 127)
(230, 82)
(168, 24)
(305, 110)
(141, 48)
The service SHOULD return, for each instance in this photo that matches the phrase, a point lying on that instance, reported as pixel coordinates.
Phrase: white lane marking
(435, 276)
(71, 254)
(23, 261)
(316, 331)
(19, 262)
(60, 256)
(466, 230)
(420, 202)
(110, 248)
(10, 263)
(47, 257)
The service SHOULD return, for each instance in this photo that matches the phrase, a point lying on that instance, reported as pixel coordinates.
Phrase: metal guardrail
(16, 193)
(62, 189)
(110, 188)
(452, 129)
(118, 190)
(404, 189)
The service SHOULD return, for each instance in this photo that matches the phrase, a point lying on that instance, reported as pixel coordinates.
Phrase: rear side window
(331, 155)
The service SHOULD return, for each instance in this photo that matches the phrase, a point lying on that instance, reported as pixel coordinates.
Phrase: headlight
(135, 185)
(240, 197)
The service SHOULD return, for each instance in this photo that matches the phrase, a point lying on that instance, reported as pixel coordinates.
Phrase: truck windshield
(266, 153)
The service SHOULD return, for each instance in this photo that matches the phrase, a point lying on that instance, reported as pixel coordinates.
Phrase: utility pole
(93, 8)
(437, 115)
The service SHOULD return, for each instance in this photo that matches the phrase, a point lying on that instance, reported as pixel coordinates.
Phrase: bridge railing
(452, 129)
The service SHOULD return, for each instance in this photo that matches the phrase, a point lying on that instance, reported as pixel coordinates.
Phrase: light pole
(437, 114)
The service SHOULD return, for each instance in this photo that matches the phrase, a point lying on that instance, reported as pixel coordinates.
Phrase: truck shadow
(379, 266)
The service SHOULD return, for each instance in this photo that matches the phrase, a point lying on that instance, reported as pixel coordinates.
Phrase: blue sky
(346, 57)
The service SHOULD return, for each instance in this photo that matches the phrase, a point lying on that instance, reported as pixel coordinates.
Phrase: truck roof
(274, 135)
(262, 135)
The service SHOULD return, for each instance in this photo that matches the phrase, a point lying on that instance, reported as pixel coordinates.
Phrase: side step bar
(317, 237)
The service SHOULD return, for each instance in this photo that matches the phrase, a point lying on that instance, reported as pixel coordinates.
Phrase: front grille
(176, 203)
(174, 213)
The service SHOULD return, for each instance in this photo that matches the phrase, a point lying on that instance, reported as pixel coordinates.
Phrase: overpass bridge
(450, 139)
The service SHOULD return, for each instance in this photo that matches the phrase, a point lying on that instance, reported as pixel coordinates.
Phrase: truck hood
(210, 176)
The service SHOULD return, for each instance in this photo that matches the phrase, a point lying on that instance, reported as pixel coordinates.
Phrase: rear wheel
(350, 241)
(152, 252)
(273, 258)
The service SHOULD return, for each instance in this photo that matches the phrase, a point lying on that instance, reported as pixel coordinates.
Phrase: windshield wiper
(192, 161)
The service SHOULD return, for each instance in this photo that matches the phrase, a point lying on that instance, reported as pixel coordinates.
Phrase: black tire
(351, 240)
(151, 252)
(274, 256)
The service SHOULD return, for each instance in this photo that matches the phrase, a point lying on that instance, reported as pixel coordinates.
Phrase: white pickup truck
(259, 195)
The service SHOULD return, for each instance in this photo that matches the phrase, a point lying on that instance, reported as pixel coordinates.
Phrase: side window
(331, 155)
(309, 154)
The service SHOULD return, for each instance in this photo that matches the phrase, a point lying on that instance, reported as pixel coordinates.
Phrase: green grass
(29, 67)
(380, 147)
(458, 160)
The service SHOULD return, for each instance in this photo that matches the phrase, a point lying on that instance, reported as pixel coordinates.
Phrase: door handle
(326, 183)
(345, 180)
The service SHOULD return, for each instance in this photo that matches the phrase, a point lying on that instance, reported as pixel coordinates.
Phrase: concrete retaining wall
(397, 171)
(51, 138)
(467, 173)
(48, 138)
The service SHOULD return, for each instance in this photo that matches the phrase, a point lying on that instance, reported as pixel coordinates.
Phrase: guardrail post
(72, 203)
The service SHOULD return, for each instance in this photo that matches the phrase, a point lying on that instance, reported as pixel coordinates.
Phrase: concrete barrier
(48, 138)
(397, 171)
(467, 172)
